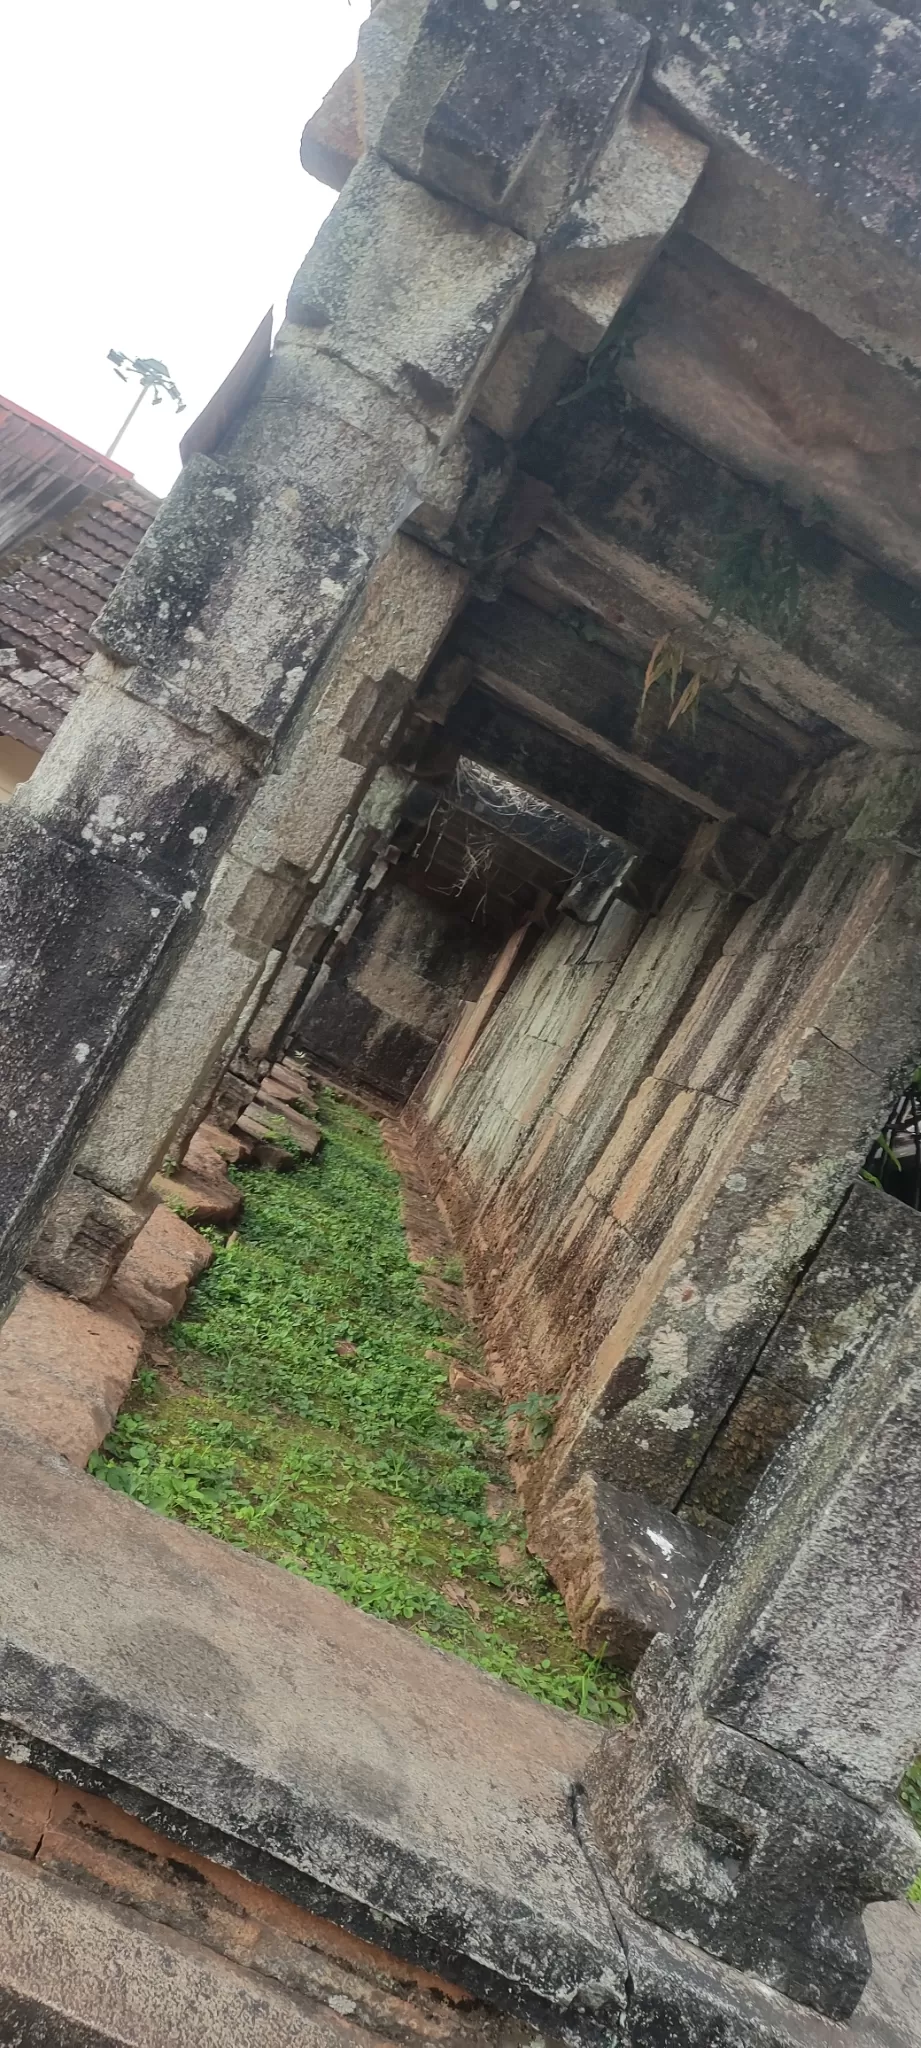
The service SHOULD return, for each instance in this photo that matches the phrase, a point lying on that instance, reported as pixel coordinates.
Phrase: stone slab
(515, 157)
(408, 290)
(640, 185)
(682, 1998)
(627, 1570)
(85, 1234)
(65, 1368)
(77, 1971)
(785, 85)
(165, 1258)
(198, 1198)
(87, 938)
(864, 1271)
(338, 1758)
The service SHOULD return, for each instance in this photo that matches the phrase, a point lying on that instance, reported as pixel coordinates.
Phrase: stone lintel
(592, 264)
(599, 792)
(785, 87)
(628, 487)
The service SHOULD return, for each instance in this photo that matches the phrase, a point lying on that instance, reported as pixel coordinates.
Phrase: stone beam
(726, 761)
(692, 547)
(784, 86)
(757, 1812)
(763, 387)
(571, 776)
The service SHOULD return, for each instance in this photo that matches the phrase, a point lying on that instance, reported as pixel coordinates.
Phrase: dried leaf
(688, 697)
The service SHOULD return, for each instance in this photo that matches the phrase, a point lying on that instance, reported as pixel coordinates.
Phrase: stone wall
(650, 1138)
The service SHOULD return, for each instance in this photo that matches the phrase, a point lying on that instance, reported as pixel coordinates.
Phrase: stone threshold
(392, 1789)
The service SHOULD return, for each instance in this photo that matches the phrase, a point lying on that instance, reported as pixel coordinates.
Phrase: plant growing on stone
(536, 1411)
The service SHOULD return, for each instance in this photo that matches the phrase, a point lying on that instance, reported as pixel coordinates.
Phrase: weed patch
(305, 1415)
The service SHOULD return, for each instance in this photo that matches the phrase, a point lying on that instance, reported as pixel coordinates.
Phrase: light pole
(153, 376)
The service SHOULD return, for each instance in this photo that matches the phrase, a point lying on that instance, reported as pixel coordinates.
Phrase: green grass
(911, 1800)
(301, 1415)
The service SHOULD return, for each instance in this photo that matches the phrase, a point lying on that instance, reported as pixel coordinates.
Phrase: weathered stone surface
(198, 1199)
(227, 608)
(418, 1802)
(269, 1120)
(210, 1151)
(81, 938)
(864, 1271)
(785, 86)
(758, 1422)
(124, 782)
(154, 1279)
(78, 1973)
(819, 1655)
(660, 515)
(65, 1368)
(732, 1846)
(681, 1995)
(409, 290)
(801, 409)
(627, 1571)
(276, 1008)
(641, 182)
(332, 139)
(186, 1033)
(758, 1811)
(525, 376)
(516, 159)
(85, 1233)
(410, 602)
(775, 228)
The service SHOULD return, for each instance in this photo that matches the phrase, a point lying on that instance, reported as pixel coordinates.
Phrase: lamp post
(153, 377)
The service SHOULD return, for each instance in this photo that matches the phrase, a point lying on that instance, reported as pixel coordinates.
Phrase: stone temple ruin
(515, 706)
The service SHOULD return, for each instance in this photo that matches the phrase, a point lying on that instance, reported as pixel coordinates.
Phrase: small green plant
(617, 346)
(278, 1132)
(453, 1271)
(757, 576)
(536, 1411)
(911, 1800)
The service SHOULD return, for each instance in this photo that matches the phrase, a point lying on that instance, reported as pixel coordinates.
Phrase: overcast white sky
(154, 199)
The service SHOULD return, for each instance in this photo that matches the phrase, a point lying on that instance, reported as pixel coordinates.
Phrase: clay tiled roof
(69, 521)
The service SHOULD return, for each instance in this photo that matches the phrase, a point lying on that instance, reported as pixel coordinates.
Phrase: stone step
(261, 1120)
(290, 1076)
(627, 1569)
(74, 1968)
(155, 1277)
(270, 1090)
(65, 1368)
(198, 1198)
